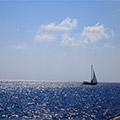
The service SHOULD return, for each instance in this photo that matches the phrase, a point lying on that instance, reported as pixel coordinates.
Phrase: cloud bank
(64, 31)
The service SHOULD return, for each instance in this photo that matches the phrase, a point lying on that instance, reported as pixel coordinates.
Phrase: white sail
(93, 76)
(94, 79)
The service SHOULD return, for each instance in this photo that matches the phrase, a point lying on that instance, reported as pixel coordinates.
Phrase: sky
(59, 40)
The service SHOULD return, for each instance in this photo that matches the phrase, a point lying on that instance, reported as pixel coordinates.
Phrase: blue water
(35, 100)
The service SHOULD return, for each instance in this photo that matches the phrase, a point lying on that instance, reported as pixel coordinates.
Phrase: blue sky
(59, 40)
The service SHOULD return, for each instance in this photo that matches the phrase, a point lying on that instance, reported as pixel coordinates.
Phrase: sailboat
(93, 78)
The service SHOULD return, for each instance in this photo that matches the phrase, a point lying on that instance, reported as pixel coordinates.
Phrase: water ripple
(35, 100)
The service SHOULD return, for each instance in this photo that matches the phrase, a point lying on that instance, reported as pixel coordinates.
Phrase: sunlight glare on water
(58, 100)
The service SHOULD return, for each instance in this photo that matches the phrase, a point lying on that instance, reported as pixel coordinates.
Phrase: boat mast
(91, 72)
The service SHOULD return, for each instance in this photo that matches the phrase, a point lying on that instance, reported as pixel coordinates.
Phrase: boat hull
(89, 83)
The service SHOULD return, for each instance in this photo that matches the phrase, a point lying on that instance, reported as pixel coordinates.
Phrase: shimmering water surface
(36, 100)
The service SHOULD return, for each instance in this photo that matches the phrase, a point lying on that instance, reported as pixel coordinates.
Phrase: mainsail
(93, 76)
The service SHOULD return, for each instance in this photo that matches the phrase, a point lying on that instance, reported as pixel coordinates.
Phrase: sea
(40, 100)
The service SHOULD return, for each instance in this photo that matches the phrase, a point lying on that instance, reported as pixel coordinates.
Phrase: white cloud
(95, 33)
(20, 46)
(69, 41)
(90, 34)
(44, 36)
(65, 25)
